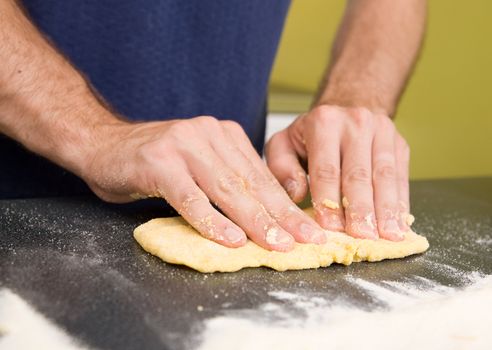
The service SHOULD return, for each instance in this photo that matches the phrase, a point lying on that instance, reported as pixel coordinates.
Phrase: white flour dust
(22, 327)
(485, 241)
(430, 316)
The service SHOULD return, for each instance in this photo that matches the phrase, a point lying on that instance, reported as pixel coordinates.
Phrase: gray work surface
(75, 261)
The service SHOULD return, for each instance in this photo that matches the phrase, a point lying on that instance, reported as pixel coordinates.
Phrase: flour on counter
(23, 328)
(430, 316)
(486, 241)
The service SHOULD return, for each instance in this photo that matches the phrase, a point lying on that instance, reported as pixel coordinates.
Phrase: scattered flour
(485, 241)
(22, 327)
(430, 316)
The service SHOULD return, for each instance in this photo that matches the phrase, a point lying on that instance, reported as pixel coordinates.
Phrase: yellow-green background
(446, 111)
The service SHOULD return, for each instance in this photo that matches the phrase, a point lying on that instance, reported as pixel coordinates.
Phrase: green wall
(446, 111)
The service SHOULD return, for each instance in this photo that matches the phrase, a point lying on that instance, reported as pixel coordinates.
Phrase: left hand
(358, 170)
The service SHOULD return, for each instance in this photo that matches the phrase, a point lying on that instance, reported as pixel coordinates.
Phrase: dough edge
(175, 241)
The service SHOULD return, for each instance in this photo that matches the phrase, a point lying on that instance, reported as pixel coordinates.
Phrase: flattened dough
(176, 242)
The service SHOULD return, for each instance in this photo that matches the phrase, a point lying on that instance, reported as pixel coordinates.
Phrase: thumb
(283, 161)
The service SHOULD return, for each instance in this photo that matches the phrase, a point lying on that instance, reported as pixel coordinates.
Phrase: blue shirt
(158, 60)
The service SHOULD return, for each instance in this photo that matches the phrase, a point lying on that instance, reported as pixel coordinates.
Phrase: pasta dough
(176, 242)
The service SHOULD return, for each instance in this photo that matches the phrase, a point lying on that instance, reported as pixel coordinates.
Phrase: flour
(422, 315)
(485, 241)
(23, 328)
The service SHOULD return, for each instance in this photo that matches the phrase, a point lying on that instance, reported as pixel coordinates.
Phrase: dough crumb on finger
(410, 219)
(345, 202)
(328, 203)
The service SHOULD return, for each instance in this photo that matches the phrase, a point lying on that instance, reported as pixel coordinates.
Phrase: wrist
(65, 127)
(357, 95)
(92, 130)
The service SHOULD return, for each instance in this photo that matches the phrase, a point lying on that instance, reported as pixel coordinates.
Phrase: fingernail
(334, 223)
(365, 227)
(330, 221)
(291, 188)
(367, 230)
(233, 235)
(279, 240)
(391, 227)
(312, 234)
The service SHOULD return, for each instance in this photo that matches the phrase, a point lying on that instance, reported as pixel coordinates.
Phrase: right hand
(191, 163)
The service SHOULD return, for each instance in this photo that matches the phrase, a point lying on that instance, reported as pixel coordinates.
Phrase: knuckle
(385, 172)
(324, 110)
(362, 117)
(207, 119)
(387, 125)
(358, 174)
(287, 213)
(207, 122)
(233, 126)
(230, 184)
(327, 173)
(256, 181)
(188, 197)
(325, 115)
(182, 128)
(150, 153)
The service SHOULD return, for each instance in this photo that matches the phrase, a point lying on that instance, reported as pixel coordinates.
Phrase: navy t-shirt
(156, 60)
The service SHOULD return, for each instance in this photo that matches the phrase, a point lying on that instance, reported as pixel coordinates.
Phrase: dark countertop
(75, 260)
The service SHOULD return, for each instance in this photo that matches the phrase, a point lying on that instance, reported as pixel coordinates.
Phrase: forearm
(45, 104)
(374, 52)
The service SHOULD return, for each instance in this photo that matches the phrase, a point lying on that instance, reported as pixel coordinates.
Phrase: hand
(191, 163)
(358, 170)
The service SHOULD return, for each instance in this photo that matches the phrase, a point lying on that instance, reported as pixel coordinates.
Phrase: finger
(245, 162)
(323, 147)
(402, 168)
(230, 194)
(385, 181)
(193, 205)
(356, 178)
(283, 161)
